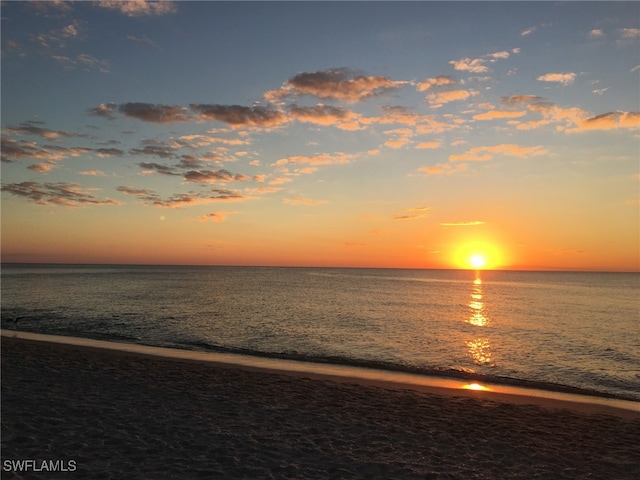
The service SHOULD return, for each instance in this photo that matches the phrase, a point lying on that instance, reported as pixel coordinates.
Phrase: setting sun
(478, 261)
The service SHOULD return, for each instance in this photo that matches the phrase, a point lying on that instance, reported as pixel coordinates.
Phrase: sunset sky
(364, 134)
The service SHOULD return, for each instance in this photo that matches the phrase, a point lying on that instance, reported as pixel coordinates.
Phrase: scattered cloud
(565, 78)
(479, 65)
(178, 200)
(428, 145)
(139, 8)
(57, 194)
(440, 81)
(216, 216)
(94, 173)
(149, 112)
(596, 33)
(326, 115)
(143, 41)
(241, 116)
(335, 84)
(438, 99)
(29, 128)
(527, 32)
(630, 32)
(497, 114)
(105, 110)
(442, 168)
(600, 91)
(517, 100)
(213, 176)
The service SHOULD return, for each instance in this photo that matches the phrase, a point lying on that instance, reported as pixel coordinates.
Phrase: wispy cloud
(179, 200)
(57, 194)
(327, 116)
(413, 213)
(299, 200)
(442, 168)
(484, 153)
(472, 223)
(216, 216)
(479, 65)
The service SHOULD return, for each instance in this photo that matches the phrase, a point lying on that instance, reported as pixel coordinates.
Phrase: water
(547, 329)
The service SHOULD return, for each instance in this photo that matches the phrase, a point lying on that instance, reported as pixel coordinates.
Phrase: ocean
(551, 330)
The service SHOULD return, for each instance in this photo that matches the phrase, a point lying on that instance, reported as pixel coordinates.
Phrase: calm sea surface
(579, 330)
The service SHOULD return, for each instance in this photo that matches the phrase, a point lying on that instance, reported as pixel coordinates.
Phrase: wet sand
(125, 415)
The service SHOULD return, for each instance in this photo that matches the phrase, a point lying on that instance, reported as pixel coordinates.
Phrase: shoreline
(119, 414)
(352, 374)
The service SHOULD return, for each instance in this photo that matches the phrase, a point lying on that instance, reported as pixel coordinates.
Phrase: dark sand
(126, 416)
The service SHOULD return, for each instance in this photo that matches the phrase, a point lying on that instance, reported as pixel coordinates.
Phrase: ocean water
(545, 329)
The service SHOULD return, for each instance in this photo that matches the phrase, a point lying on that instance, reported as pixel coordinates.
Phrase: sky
(351, 134)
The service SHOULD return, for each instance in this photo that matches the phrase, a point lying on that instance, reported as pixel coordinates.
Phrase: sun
(478, 260)
(478, 255)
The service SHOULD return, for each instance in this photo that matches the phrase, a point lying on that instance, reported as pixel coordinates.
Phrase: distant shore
(117, 414)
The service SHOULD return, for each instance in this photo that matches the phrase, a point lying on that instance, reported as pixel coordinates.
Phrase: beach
(92, 413)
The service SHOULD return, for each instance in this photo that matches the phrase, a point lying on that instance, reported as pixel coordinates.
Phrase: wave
(438, 372)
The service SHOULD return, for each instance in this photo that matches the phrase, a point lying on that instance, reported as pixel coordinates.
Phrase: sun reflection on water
(479, 348)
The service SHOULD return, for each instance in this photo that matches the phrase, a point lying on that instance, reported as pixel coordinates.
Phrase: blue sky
(329, 133)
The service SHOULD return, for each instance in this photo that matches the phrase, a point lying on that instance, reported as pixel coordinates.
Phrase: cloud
(476, 65)
(414, 213)
(326, 115)
(428, 145)
(212, 176)
(143, 41)
(443, 168)
(154, 113)
(516, 100)
(463, 224)
(29, 128)
(95, 173)
(241, 116)
(630, 32)
(438, 99)
(83, 60)
(402, 137)
(57, 194)
(302, 201)
(216, 216)
(528, 31)
(319, 159)
(635, 69)
(108, 152)
(335, 84)
(596, 33)
(609, 121)
(565, 78)
(16, 149)
(479, 65)
(496, 114)
(150, 197)
(150, 167)
(484, 153)
(105, 110)
(439, 81)
(600, 91)
(156, 150)
(138, 8)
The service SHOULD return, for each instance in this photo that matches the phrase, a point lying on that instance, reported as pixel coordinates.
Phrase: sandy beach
(103, 414)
